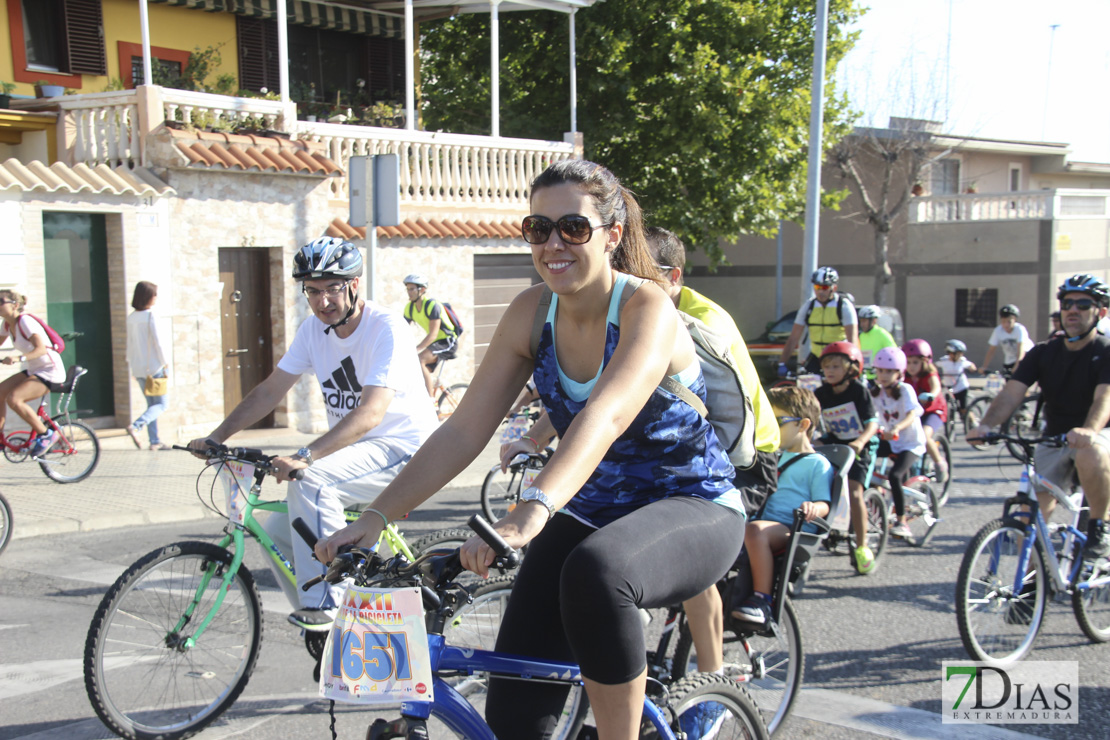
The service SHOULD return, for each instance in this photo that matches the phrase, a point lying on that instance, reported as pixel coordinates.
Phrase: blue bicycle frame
(459, 715)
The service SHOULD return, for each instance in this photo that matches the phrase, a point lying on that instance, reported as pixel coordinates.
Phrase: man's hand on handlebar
(284, 467)
(977, 434)
(200, 446)
(1080, 438)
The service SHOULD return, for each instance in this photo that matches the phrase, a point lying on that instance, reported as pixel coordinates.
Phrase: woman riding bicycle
(44, 367)
(647, 515)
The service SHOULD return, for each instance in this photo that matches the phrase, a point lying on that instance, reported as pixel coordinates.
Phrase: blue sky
(993, 75)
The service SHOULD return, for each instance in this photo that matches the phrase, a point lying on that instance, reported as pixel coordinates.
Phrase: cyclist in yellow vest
(441, 337)
(829, 317)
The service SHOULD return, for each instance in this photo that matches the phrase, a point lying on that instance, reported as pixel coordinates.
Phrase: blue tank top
(669, 449)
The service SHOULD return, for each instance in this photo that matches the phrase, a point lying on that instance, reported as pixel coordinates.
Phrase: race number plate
(809, 381)
(994, 383)
(377, 649)
(236, 477)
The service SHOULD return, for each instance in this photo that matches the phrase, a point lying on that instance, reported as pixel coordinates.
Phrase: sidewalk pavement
(133, 487)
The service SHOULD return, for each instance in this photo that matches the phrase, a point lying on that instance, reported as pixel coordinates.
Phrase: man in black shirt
(1074, 374)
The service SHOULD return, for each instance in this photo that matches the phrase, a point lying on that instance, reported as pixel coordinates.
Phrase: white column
(144, 25)
(283, 51)
(816, 121)
(410, 73)
(495, 70)
(573, 76)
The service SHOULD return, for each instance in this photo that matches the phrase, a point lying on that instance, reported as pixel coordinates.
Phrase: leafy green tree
(700, 106)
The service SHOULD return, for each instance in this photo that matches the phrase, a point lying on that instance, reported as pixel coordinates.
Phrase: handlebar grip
(483, 529)
(297, 474)
(306, 533)
(312, 582)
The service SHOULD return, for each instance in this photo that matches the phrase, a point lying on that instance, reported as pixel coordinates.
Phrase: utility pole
(1048, 79)
(816, 121)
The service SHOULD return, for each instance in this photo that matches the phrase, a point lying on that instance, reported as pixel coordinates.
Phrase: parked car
(767, 347)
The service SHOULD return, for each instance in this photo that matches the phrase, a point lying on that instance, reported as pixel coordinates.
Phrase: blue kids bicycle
(435, 574)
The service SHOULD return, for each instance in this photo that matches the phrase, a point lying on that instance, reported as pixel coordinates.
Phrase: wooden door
(498, 279)
(245, 324)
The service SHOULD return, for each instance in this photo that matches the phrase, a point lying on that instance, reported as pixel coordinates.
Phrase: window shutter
(386, 58)
(258, 53)
(85, 34)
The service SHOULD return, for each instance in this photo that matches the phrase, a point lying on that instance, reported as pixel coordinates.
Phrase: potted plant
(6, 89)
(44, 89)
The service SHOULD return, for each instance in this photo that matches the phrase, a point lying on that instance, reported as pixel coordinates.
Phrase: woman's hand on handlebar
(200, 446)
(363, 532)
(517, 529)
(512, 449)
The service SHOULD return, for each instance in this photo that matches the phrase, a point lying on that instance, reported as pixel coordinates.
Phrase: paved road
(873, 644)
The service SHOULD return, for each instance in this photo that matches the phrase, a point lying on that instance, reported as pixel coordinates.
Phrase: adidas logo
(343, 391)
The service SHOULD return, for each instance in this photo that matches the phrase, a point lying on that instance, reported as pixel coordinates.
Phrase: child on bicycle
(849, 416)
(805, 482)
(922, 374)
(900, 421)
(953, 369)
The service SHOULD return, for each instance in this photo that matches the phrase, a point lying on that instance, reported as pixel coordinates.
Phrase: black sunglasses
(574, 228)
(1083, 304)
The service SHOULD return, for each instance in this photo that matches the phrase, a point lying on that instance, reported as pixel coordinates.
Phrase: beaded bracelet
(534, 442)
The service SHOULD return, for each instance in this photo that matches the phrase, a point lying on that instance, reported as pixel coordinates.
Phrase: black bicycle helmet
(1085, 283)
(327, 257)
(1009, 310)
(825, 276)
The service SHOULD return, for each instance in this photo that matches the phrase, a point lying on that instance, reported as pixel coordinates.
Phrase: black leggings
(577, 598)
(897, 473)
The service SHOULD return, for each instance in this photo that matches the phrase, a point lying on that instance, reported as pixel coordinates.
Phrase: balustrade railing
(443, 169)
(437, 170)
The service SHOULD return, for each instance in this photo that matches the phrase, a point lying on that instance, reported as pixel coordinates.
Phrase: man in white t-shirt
(1011, 336)
(378, 412)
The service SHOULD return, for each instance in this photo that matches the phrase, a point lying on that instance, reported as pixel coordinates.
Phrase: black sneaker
(313, 619)
(754, 610)
(1098, 540)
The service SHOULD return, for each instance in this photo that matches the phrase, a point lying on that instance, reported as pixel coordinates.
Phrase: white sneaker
(901, 530)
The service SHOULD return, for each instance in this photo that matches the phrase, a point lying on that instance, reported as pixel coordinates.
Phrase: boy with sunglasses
(1073, 371)
(828, 317)
(805, 482)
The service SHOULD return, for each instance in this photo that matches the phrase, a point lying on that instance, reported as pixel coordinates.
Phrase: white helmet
(868, 312)
(416, 279)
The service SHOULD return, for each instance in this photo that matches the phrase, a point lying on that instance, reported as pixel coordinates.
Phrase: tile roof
(436, 228)
(80, 178)
(248, 152)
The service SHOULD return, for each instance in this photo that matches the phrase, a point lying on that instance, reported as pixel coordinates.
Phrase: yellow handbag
(155, 386)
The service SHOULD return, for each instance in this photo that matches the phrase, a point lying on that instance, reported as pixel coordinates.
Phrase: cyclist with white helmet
(1012, 336)
(899, 414)
(827, 316)
(924, 376)
(953, 369)
(872, 337)
(1073, 372)
(378, 414)
(441, 335)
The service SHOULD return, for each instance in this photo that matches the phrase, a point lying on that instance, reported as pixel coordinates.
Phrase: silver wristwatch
(534, 494)
(305, 455)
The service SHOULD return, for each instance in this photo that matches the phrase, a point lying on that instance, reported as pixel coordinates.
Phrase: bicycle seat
(72, 374)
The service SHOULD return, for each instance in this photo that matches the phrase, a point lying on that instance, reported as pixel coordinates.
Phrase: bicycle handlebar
(993, 438)
(249, 455)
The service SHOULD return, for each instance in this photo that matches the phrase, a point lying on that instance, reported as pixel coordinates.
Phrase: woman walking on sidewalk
(147, 359)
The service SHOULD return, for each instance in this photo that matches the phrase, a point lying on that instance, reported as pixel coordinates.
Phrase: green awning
(305, 13)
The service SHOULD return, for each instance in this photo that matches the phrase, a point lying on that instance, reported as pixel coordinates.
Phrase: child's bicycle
(175, 639)
(664, 706)
(76, 452)
(5, 522)
(1016, 563)
(922, 504)
(447, 398)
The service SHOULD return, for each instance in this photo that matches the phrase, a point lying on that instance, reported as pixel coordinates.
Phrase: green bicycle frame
(235, 535)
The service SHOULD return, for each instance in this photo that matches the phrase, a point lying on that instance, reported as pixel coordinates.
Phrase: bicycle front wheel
(1092, 610)
(922, 509)
(501, 491)
(5, 523)
(708, 705)
(450, 399)
(769, 666)
(878, 516)
(144, 678)
(975, 411)
(997, 622)
(74, 456)
(1020, 424)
